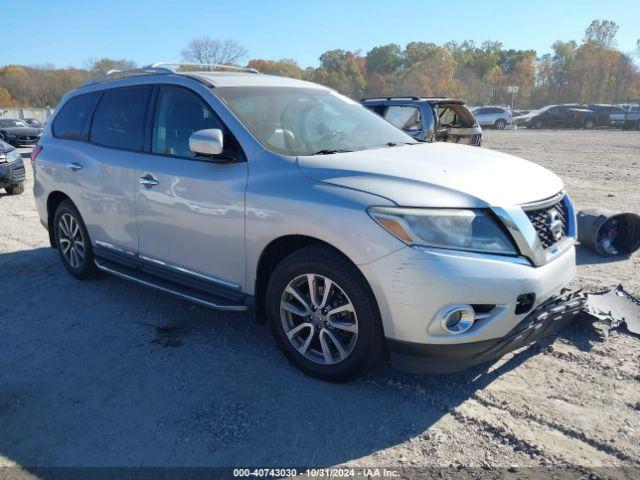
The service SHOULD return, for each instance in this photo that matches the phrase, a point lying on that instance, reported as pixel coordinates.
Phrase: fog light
(458, 319)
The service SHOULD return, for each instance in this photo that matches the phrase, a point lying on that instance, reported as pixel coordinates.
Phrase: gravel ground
(106, 373)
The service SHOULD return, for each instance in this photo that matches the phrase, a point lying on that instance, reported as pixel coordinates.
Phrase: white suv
(243, 191)
(496, 117)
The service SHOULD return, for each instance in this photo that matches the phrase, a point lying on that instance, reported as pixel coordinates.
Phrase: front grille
(27, 138)
(543, 221)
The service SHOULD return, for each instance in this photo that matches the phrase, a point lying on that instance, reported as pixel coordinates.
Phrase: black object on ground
(609, 233)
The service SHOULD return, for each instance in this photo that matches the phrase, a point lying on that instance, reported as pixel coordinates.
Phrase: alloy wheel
(319, 319)
(70, 240)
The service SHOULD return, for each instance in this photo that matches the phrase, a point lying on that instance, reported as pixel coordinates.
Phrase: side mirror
(206, 142)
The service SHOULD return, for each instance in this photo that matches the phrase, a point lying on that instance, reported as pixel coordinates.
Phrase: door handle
(75, 166)
(148, 180)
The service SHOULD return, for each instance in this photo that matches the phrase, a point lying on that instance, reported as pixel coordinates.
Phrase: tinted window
(179, 113)
(379, 109)
(404, 117)
(71, 120)
(120, 118)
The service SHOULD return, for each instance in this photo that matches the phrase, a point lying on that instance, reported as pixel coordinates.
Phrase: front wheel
(323, 315)
(72, 241)
(15, 189)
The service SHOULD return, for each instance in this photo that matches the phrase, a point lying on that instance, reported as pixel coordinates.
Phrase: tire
(589, 124)
(538, 125)
(15, 189)
(78, 262)
(362, 344)
(500, 124)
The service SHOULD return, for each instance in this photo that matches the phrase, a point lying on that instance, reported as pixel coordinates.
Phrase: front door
(190, 210)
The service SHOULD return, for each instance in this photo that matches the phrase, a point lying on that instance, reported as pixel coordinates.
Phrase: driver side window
(178, 114)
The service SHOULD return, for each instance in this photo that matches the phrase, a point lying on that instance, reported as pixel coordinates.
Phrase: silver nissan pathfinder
(242, 191)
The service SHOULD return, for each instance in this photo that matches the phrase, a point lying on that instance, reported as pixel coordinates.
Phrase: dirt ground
(106, 373)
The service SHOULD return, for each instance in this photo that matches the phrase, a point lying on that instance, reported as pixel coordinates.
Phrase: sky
(69, 32)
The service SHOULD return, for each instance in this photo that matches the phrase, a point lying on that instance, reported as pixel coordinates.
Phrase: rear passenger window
(71, 120)
(379, 109)
(120, 117)
(404, 117)
(179, 113)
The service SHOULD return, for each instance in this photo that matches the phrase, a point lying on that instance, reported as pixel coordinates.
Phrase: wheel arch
(274, 253)
(54, 199)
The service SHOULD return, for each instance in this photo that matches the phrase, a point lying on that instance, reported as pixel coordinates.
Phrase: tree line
(593, 70)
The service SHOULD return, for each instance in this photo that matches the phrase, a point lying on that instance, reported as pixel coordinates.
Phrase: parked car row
(19, 132)
(576, 115)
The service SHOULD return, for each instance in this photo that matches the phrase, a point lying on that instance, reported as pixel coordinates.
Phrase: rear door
(97, 167)
(190, 209)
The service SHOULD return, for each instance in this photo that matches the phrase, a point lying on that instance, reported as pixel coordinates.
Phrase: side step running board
(187, 293)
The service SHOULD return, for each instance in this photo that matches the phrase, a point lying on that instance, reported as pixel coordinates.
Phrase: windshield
(12, 123)
(305, 121)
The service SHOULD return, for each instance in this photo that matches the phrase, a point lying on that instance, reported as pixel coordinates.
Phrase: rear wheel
(323, 315)
(500, 124)
(72, 241)
(15, 189)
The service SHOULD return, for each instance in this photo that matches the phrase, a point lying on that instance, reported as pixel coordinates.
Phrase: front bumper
(414, 285)
(439, 359)
(12, 173)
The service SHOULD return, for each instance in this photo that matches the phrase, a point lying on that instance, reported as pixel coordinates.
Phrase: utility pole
(512, 89)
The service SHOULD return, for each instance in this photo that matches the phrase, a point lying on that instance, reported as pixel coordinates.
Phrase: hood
(436, 175)
(30, 131)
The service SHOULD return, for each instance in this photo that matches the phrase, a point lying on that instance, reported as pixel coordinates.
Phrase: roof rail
(118, 74)
(391, 98)
(207, 67)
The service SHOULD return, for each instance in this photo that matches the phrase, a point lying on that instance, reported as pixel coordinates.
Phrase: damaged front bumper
(553, 314)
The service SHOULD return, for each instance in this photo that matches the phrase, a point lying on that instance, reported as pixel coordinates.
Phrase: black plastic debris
(609, 233)
(612, 308)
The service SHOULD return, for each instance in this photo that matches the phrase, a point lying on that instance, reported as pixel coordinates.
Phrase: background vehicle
(17, 132)
(569, 115)
(242, 191)
(33, 122)
(627, 119)
(604, 112)
(12, 173)
(429, 119)
(490, 116)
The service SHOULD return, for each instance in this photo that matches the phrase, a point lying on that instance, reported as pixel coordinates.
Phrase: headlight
(470, 230)
(10, 156)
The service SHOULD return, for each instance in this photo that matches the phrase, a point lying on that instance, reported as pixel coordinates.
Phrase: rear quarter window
(120, 118)
(70, 122)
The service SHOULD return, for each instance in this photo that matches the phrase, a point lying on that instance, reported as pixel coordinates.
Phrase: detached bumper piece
(549, 317)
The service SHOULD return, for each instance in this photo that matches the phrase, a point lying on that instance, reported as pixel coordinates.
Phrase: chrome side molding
(200, 299)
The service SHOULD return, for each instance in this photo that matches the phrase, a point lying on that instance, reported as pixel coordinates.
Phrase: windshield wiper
(393, 144)
(331, 151)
